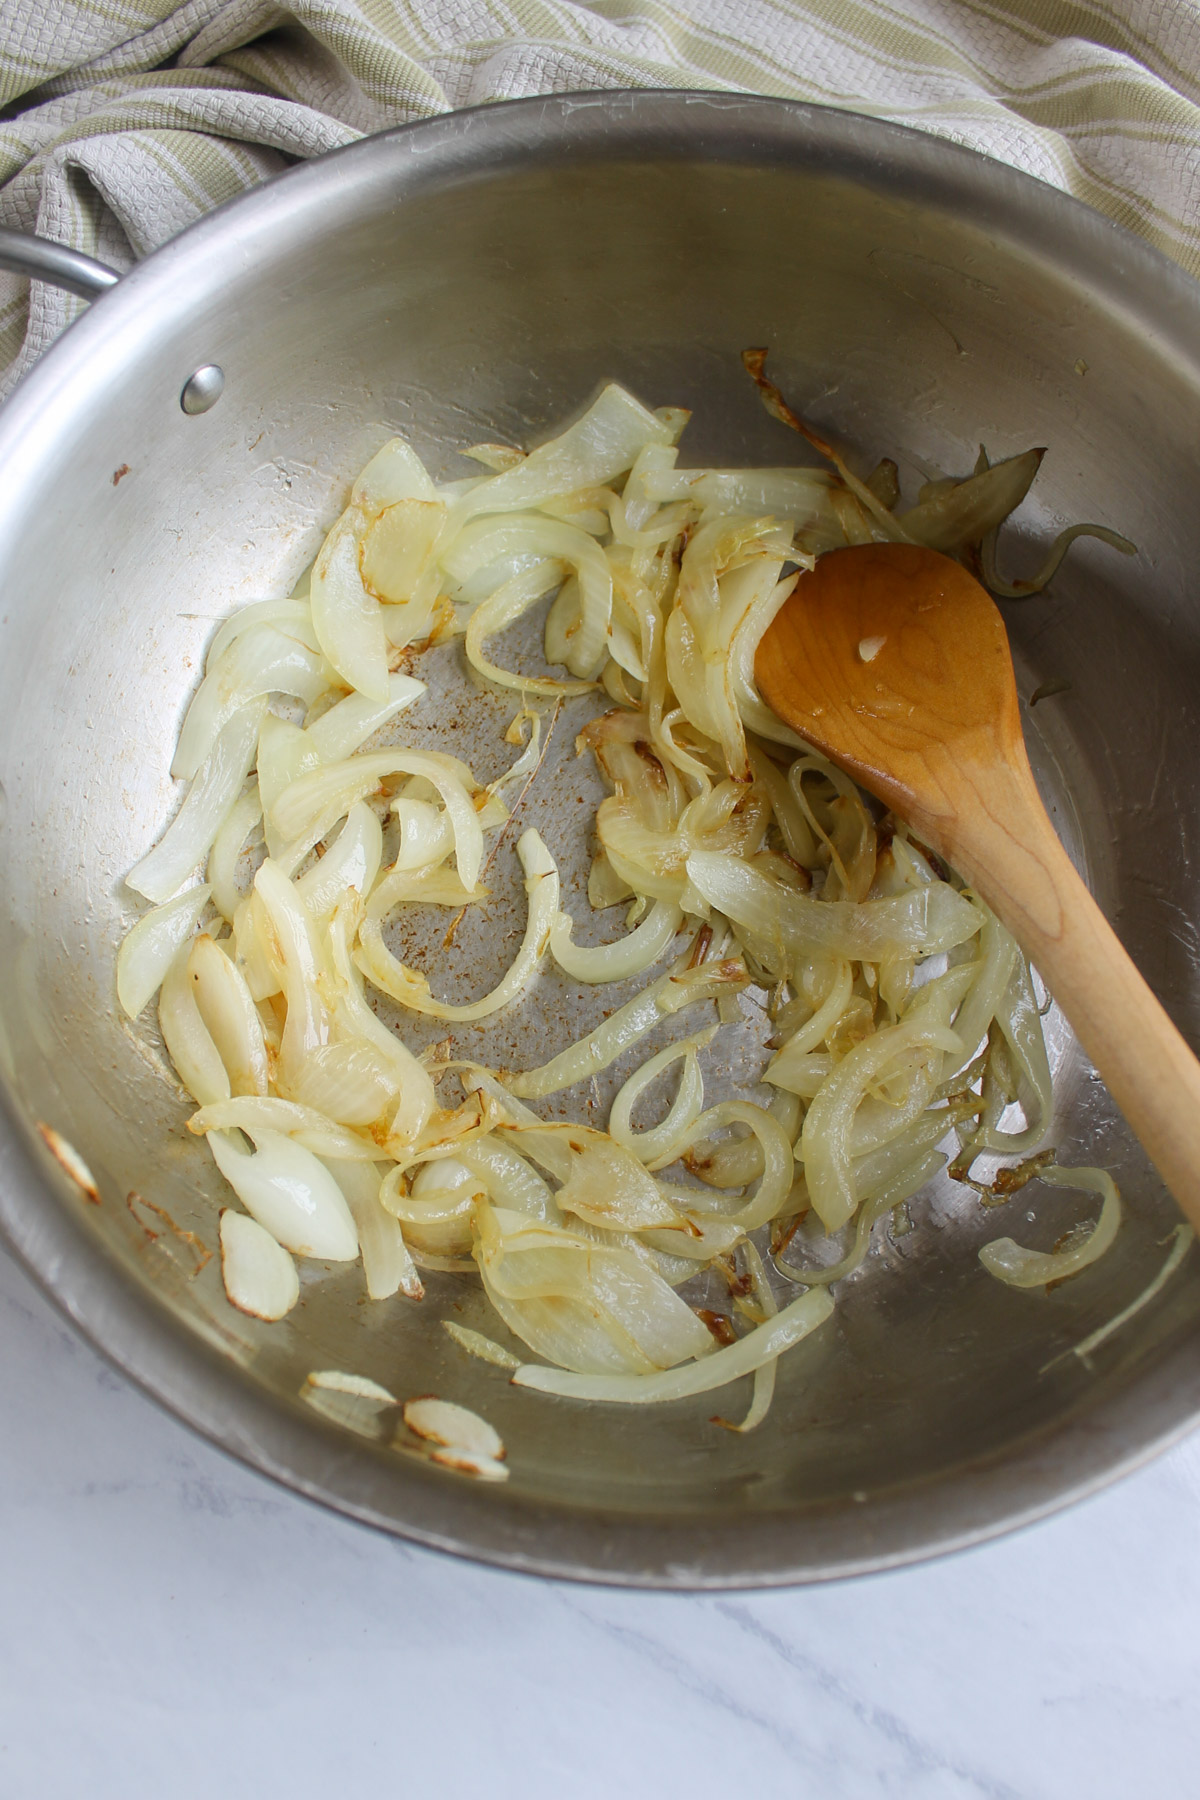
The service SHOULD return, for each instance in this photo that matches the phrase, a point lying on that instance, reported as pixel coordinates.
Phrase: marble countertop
(177, 1628)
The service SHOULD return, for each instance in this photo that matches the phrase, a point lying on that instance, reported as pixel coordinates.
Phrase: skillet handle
(43, 260)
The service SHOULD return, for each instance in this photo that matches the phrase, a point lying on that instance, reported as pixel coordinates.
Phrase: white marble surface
(173, 1627)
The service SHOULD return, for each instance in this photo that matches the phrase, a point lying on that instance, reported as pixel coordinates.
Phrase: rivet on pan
(203, 389)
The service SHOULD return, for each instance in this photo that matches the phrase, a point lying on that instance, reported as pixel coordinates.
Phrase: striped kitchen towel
(123, 120)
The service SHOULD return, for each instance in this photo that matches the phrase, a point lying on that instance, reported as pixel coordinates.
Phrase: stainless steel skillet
(476, 276)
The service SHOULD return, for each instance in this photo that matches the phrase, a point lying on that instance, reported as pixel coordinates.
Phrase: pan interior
(456, 300)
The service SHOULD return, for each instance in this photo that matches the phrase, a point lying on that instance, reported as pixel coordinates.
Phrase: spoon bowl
(894, 662)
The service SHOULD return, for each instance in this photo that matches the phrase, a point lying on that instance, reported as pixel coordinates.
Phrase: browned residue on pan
(198, 1248)
(69, 1159)
(720, 1327)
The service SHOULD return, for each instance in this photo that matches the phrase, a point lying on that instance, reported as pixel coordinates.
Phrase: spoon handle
(1013, 855)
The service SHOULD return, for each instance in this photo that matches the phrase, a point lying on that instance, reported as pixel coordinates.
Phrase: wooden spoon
(893, 661)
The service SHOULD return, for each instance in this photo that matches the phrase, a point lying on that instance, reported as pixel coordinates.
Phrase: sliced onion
(585, 1305)
(1012, 1263)
(394, 473)
(351, 1082)
(347, 619)
(826, 1142)
(923, 922)
(426, 836)
(347, 725)
(260, 1277)
(149, 948)
(507, 1178)
(314, 803)
(808, 1037)
(230, 841)
(299, 951)
(196, 1058)
(798, 495)
(285, 753)
(358, 1387)
(1183, 1237)
(963, 512)
(438, 1211)
(229, 1014)
(290, 1193)
(755, 714)
(488, 541)
(496, 457)
(736, 1161)
(429, 886)
(775, 1182)
(601, 1047)
(387, 1266)
(1023, 589)
(469, 1462)
(456, 1427)
(879, 1198)
(291, 616)
(352, 861)
(443, 1136)
(663, 1143)
(999, 955)
(790, 821)
(257, 950)
(764, 1375)
(503, 608)
(412, 990)
(263, 660)
(1020, 1021)
(398, 547)
(189, 837)
(749, 1353)
(310, 1129)
(630, 955)
(602, 1182)
(476, 1344)
(597, 448)
(426, 839)
(354, 1017)
(728, 567)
